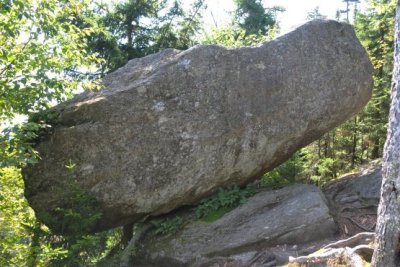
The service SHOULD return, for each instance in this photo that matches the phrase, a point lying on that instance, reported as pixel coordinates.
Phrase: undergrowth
(222, 202)
(167, 226)
(225, 198)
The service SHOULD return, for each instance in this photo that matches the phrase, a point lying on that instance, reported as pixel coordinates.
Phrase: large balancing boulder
(170, 128)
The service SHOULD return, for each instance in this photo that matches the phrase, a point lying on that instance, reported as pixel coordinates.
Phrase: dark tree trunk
(129, 34)
(319, 149)
(34, 246)
(375, 149)
(333, 145)
(354, 146)
(127, 234)
(326, 145)
(388, 226)
(362, 147)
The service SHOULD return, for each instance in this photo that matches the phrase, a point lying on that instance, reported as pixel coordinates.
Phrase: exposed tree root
(354, 250)
(363, 238)
(353, 258)
(318, 257)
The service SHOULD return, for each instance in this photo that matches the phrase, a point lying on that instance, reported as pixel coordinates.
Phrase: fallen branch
(348, 254)
(318, 257)
(354, 250)
(363, 238)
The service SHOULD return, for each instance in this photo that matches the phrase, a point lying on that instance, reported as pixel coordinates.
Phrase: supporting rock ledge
(287, 217)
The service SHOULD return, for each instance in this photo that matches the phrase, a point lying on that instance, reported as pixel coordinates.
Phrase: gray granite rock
(354, 198)
(356, 190)
(170, 128)
(293, 215)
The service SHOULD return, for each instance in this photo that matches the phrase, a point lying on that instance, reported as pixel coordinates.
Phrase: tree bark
(388, 226)
(127, 234)
(354, 147)
(375, 149)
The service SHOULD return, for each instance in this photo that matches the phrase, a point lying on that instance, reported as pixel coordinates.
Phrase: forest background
(51, 49)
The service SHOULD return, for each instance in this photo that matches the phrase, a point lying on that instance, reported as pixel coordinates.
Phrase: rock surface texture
(170, 128)
(353, 199)
(293, 215)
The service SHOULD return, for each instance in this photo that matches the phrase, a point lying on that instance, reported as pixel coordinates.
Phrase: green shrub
(167, 226)
(78, 212)
(287, 173)
(274, 179)
(19, 140)
(71, 222)
(225, 198)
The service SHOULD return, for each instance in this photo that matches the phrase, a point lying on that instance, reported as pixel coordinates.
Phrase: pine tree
(254, 18)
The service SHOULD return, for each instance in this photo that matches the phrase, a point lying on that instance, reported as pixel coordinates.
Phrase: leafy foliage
(27, 242)
(254, 18)
(231, 36)
(38, 43)
(274, 179)
(287, 173)
(39, 48)
(17, 149)
(19, 233)
(167, 226)
(375, 29)
(210, 209)
(315, 14)
(253, 24)
(19, 140)
(132, 29)
(228, 197)
(86, 250)
(79, 211)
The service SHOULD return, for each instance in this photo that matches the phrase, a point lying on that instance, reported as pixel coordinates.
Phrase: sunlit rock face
(170, 128)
